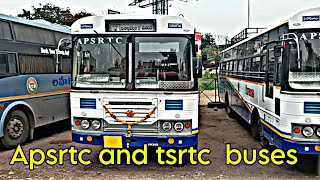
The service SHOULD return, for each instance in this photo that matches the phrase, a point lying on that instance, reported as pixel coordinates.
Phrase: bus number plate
(112, 141)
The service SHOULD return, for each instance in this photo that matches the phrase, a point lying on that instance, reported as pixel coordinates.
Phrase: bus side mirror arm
(197, 62)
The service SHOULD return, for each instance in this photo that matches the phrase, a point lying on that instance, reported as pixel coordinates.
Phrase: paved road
(216, 131)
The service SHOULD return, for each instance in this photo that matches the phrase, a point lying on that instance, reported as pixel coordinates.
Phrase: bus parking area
(210, 137)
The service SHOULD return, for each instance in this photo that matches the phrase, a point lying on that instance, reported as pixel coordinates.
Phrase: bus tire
(256, 130)
(255, 126)
(16, 129)
(306, 163)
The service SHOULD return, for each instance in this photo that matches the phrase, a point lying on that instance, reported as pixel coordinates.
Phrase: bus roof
(37, 23)
(160, 24)
(254, 36)
(306, 19)
(295, 22)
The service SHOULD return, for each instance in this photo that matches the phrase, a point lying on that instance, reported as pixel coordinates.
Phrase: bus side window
(240, 67)
(263, 66)
(12, 63)
(235, 67)
(279, 70)
(227, 68)
(270, 74)
(3, 63)
(66, 65)
(255, 64)
(8, 64)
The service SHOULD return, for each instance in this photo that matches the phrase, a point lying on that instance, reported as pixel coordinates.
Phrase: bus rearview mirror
(277, 50)
(204, 59)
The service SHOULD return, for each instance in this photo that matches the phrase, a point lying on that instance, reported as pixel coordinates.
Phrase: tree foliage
(53, 14)
(208, 40)
(210, 48)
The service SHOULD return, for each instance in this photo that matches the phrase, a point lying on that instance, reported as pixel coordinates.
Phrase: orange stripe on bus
(247, 81)
(235, 90)
(28, 96)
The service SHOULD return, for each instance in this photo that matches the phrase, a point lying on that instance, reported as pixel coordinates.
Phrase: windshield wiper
(110, 44)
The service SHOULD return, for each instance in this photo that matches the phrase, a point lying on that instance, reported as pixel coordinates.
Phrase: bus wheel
(256, 131)
(264, 142)
(16, 129)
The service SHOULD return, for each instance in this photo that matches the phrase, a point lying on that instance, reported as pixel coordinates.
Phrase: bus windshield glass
(162, 62)
(101, 61)
(308, 75)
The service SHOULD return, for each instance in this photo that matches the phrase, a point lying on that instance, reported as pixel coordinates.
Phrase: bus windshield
(101, 61)
(308, 75)
(162, 59)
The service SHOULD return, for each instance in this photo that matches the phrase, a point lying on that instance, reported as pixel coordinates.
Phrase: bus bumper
(139, 140)
(300, 147)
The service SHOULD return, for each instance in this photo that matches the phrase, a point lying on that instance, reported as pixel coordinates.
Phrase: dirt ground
(216, 130)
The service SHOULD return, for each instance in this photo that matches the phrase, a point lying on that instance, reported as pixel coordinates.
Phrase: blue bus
(35, 66)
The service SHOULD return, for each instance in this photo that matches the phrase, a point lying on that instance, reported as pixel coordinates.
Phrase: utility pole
(248, 13)
(158, 6)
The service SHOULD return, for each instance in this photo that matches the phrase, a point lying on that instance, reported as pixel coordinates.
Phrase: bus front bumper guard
(300, 147)
(137, 140)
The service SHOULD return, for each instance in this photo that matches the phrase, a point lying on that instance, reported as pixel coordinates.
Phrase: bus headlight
(166, 126)
(178, 126)
(85, 124)
(318, 132)
(307, 131)
(96, 124)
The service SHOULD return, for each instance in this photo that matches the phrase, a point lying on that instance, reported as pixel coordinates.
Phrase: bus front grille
(140, 108)
(121, 128)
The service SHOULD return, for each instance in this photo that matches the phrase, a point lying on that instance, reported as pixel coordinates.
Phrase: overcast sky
(224, 17)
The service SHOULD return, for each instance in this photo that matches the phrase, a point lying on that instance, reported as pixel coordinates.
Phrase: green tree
(208, 40)
(53, 14)
(210, 48)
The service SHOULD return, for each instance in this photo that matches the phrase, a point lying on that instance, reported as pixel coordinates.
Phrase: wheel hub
(15, 128)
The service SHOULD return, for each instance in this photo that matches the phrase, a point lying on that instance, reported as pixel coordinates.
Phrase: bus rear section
(135, 82)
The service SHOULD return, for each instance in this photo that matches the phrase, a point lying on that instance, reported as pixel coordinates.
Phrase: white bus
(272, 80)
(134, 81)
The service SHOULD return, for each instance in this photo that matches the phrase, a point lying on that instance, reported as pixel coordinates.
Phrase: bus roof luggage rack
(244, 34)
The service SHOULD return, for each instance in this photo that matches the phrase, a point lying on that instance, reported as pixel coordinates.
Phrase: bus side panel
(47, 95)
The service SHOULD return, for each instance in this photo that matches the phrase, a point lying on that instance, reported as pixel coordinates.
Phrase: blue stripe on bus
(312, 107)
(287, 144)
(281, 132)
(86, 103)
(173, 104)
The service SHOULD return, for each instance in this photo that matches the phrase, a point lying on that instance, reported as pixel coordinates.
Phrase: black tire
(255, 127)
(307, 163)
(16, 129)
(256, 131)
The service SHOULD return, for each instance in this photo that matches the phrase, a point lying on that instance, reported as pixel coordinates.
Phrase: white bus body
(140, 68)
(276, 89)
